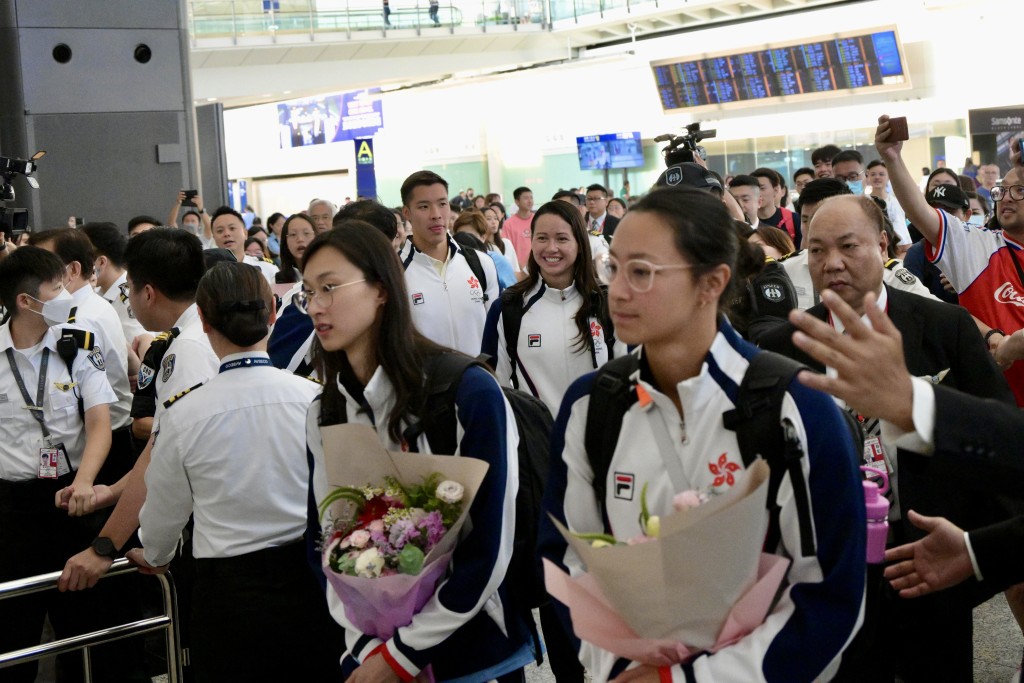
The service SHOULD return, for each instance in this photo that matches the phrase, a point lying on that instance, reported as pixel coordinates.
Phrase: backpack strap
(761, 432)
(443, 373)
(473, 259)
(611, 396)
(511, 321)
(67, 348)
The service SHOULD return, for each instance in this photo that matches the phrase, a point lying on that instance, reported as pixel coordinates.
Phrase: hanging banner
(366, 176)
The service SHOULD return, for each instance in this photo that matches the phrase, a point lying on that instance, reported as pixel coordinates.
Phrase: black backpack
(756, 419)
(512, 310)
(524, 580)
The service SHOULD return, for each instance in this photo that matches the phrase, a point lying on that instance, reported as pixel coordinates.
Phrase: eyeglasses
(855, 175)
(639, 273)
(323, 298)
(1016, 192)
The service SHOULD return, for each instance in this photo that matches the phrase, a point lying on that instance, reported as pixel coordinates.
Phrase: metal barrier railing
(167, 622)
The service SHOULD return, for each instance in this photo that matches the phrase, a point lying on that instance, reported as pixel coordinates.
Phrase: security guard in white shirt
(47, 444)
(94, 313)
(109, 244)
(255, 595)
(164, 269)
(449, 300)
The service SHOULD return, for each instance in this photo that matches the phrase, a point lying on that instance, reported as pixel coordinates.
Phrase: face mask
(856, 186)
(976, 220)
(57, 310)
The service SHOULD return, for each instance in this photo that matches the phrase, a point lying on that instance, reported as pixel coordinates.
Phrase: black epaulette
(268, 260)
(172, 399)
(891, 263)
(314, 380)
(67, 348)
(790, 254)
(83, 339)
(73, 314)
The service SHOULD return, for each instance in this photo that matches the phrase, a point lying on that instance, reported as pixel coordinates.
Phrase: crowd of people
(165, 389)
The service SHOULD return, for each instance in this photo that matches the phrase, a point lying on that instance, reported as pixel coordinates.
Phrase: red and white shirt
(979, 263)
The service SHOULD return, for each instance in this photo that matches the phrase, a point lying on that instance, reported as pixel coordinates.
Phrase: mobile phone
(189, 194)
(899, 129)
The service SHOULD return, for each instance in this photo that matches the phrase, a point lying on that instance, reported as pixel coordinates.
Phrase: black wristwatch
(104, 547)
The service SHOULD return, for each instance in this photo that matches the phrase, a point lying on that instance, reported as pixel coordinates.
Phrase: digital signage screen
(611, 150)
(863, 61)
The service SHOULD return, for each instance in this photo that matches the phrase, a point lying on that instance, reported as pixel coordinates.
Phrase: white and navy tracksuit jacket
(464, 631)
(449, 310)
(549, 357)
(821, 607)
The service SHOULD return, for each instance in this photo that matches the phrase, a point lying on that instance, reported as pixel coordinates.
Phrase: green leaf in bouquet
(343, 562)
(410, 560)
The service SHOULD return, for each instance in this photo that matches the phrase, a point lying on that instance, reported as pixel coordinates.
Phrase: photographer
(193, 219)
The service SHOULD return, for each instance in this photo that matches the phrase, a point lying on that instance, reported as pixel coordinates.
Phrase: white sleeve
(168, 496)
(963, 251)
(190, 362)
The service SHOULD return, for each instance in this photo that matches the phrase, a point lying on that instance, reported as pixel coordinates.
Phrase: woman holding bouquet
(372, 360)
(256, 602)
(668, 273)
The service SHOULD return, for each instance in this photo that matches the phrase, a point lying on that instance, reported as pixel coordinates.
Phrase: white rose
(369, 564)
(450, 491)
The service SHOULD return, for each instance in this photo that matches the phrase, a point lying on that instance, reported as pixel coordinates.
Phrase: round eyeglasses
(324, 298)
(639, 273)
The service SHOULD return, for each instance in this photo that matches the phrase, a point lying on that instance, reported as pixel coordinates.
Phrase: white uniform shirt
(799, 273)
(20, 435)
(117, 295)
(94, 313)
(269, 270)
(549, 356)
(449, 310)
(188, 361)
(234, 454)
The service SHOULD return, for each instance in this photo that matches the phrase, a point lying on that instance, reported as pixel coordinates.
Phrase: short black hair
(108, 240)
(803, 170)
(192, 212)
(518, 192)
(374, 213)
(169, 260)
(226, 210)
(744, 180)
(598, 187)
(770, 174)
(848, 155)
(825, 153)
(136, 221)
(70, 245)
(23, 271)
(567, 193)
(420, 179)
(821, 189)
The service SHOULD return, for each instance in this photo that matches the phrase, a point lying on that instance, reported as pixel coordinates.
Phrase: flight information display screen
(869, 60)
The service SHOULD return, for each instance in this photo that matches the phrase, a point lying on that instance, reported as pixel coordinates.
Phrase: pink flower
(376, 525)
(359, 539)
(686, 500)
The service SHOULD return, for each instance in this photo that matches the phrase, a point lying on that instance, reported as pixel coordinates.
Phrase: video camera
(682, 148)
(14, 221)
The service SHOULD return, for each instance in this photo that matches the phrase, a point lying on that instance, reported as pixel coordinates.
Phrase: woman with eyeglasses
(255, 595)
(373, 363)
(668, 273)
(297, 233)
(553, 326)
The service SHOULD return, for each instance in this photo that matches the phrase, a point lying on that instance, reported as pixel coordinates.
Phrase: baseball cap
(948, 196)
(689, 174)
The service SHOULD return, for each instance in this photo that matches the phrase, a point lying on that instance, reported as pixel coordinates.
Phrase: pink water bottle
(877, 506)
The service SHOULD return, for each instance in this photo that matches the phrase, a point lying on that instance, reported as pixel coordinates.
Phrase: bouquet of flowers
(388, 542)
(696, 581)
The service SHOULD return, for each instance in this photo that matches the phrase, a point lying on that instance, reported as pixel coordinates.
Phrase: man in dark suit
(977, 440)
(599, 221)
(846, 252)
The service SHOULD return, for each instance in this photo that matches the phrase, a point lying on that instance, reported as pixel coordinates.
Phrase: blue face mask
(856, 186)
(976, 219)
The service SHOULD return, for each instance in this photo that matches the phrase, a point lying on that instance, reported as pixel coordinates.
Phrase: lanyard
(35, 408)
(244, 363)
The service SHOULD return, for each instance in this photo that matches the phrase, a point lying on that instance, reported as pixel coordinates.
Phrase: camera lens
(62, 53)
(142, 53)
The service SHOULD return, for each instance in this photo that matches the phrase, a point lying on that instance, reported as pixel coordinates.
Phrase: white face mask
(57, 310)
(976, 219)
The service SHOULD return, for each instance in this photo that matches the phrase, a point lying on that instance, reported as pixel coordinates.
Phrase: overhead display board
(859, 61)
